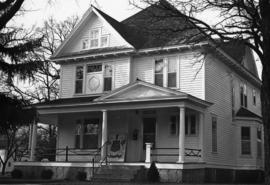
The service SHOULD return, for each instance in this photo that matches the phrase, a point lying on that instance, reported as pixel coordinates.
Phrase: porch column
(104, 134)
(201, 118)
(181, 135)
(33, 141)
(30, 136)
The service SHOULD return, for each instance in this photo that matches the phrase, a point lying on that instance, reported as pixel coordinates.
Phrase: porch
(137, 123)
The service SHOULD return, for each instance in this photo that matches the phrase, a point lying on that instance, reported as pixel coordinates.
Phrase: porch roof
(136, 95)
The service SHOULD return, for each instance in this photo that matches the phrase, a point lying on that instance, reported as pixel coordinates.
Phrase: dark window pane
(159, 79)
(79, 72)
(108, 84)
(186, 125)
(193, 124)
(171, 79)
(245, 133)
(94, 68)
(78, 86)
(214, 134)
(246, 148)
(149, 131)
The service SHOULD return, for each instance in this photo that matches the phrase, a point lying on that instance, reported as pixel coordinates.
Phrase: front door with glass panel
(149, 131)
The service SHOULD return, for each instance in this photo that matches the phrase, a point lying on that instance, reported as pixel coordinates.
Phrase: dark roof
(243, 112)
(64, 101)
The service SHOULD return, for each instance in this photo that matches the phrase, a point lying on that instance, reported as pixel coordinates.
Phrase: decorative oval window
(93, 83)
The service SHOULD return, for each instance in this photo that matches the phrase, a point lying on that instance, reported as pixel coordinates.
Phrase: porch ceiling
(137, 95)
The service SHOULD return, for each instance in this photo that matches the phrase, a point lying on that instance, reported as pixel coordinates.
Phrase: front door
(149, 131)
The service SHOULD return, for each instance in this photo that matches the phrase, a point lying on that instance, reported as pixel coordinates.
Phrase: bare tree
(248, 20)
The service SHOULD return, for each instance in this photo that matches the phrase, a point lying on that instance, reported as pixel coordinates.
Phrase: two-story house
(142, 94)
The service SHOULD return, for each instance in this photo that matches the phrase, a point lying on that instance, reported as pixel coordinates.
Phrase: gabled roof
(245, 113)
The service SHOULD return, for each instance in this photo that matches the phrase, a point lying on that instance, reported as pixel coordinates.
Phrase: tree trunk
(4, 165)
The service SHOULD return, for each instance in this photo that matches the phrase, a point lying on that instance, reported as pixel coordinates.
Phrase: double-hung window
(254, 100)
(174, 122)
(245, 141)
(190, 125)
(243, 95)
(214, 134)
(94, 38)
(166, 72)
(159, 70)
(79, 79)
(78, 132)
(259, 142)
(107, 77)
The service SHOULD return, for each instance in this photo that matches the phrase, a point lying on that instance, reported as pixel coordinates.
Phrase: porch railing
(102, 161)
(173, 152)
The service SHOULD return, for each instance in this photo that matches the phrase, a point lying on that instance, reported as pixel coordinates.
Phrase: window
(85, 43)
(94, 38)
(159, 67)
(243, 95)
(259, 142)
(254, 97)
(166, 72)
(172, 72)
(78, 133)
(233, 101)
(104, 41)
(90, 137)
(92, 68)
(79, 80)
(214, 134)
(174, 122)
(107, 77)
(190, 124)
(245, 141)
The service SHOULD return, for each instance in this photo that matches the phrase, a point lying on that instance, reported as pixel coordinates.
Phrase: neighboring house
(196, 101)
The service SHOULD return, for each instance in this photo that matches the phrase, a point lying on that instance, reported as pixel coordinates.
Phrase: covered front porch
(138, 123)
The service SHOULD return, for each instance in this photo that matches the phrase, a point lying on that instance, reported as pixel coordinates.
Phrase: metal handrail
(102, 160)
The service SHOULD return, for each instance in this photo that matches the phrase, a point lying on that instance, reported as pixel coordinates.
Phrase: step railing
(97, 165)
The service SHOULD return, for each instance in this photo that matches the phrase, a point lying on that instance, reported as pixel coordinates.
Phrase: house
(140, 94)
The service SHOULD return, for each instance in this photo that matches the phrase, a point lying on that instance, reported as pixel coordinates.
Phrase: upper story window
(259, 142)
(92, 68)
(243, 95)
(79, 80)
(96, 39)
(107, 77)
(166, 72)
(254, 100)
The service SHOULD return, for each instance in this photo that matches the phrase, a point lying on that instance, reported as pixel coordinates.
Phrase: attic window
(94, 38)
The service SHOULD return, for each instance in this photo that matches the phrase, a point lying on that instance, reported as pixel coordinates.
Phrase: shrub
(46, 174)
(81, 176)
(16, 174)
(153, 174)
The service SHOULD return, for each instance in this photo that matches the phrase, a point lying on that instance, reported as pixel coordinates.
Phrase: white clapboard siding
(75, 44)
(143, 69)
(192, 75)
(218, 91)
(67, 80)
(121, 72)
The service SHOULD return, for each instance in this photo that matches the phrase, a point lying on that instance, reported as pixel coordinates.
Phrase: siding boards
(143, 69)
(67, 80)
(121, 73)
(192, 75)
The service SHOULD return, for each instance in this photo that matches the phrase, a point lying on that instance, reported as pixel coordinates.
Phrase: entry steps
(119, 173)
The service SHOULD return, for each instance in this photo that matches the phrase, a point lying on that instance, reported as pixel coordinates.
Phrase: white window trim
(244, 94)
(189, 125)
(113, 74)
(165, 70)
(254, 94)
(176, 125)
(250, 142)
(83, 79)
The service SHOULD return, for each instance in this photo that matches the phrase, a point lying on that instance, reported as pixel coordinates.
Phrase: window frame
(214, 133)
(165, 71)
(105, 76)
(245, 141)
(81, 79)
(254, 97)
(259, 142)
(176, 125)
(243, 95)
(98, 38)
(188, 125)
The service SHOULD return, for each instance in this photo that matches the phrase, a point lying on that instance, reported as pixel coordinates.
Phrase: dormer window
(94, 38)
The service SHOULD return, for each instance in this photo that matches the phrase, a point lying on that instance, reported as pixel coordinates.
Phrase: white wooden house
(191, 106)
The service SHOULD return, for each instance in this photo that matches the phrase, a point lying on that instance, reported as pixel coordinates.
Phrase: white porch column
(181, 135)
(30, 136)
(148, 152)
(104, 134)
(33, 141)
(201, 118)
